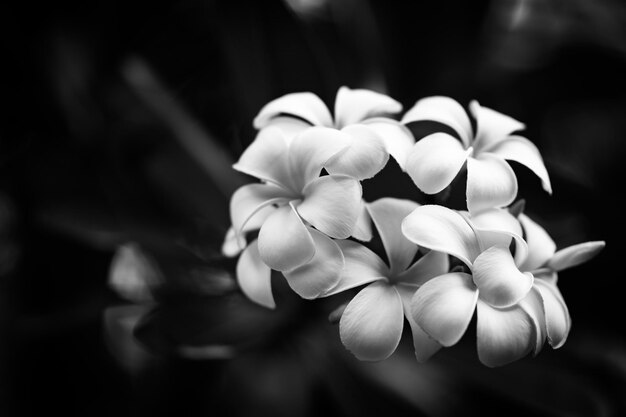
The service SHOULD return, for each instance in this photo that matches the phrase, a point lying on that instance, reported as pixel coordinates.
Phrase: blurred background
(120, 125)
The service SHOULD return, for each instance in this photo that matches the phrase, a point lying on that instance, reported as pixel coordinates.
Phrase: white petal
(254, 277)
(284, 241)
(133, 273)
(491, 183)
(575, 255)
(233, 244)
(365, 156)
(397, 138)
(434, 161)
(424, 345)
(426, 268)
(387, 214)
(332, 204)
(354, 106)
(492, 127)
(305, 105)
(310, 151)
(503, 335)
(541, 247)
(519, 149)
(251, 199)
(361, 266)
(499, 281)
(321, 273)
(558, 321)
(533, 306)
(496, 227)
(371, 324)
(443, 110)
(363, 227)
(290, 126)
(441, 229)
(443, 306)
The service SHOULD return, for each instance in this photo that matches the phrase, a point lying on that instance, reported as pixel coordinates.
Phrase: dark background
(121, 120)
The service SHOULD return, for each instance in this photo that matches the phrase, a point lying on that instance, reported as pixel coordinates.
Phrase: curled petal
(426, 268)
(492, 127)
(354, 106)
(443, 306)
(434, 161)
(251, 199)
(541, 247)
(503, 335)
(365, 156)
(443, 110)
(533, 306)
(305, 105)
(254, 277)
(332, 204)
(496, 227)
(396, 137)
(491, 183)
(321, 273)
(290, 126)
(520, 149)
(499, 281)
(284, 241)
(234, 243)
(441, 229)
(371, 325)
(424, 345)
(557, 320)
(363, 227)
(387, 214)
(361, 266)
(575, 255)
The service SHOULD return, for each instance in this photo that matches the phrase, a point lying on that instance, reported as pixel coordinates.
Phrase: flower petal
(520, 149)
(575, 255)
(251, 199)
(441, 229)
(361, 266)
(304, 105)
(491, 182)
(234, 244)
(499, 281)
(363, 227)
(254, 277)
(443, 306)
(424, 345)
(387, 214)
(497, 227)
(503, 335)
(533, 306)
(290, 126)
(397, 138)
(434, 161)
(354, 106)
(371, 324)
(365, 156)
(558, 321)
(443, 110)
(332, 204)
(321, 273)
(284, 241)
(492, 127)
(541, 247)
(427, 267)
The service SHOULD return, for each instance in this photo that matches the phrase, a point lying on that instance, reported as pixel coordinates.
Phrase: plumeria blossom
(444, 306)
(435, 160)
(371, 324)
(296, 211)
(361, 115)
(545, 302)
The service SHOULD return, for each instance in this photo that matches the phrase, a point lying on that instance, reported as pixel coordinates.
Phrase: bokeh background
(121, 121)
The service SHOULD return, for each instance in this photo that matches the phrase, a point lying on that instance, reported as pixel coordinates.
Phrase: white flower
(444, 306)
(436, 159)
(371, 325)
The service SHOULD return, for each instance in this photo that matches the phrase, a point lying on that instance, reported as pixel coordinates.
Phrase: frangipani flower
(359, 114)
(436, 159)
(296, 210)
(444, 306)
(545, 303)
(371, 325)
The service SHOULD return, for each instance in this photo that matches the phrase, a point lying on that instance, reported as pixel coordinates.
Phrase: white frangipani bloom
(360, 114)
(435, 160)
(371, 325)
(444, 306)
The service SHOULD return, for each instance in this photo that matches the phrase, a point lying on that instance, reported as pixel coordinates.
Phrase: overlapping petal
(541, 247)
(434, 161)
(290, 126)
(426, 268)
(254, 277)
(363, 227)
(575, 255)
(496, 227)
(397, 138)
(443, 306)
(491, 182)
(424, 345)
(533, 306)
(304, 105)
(557, 318)
(363, 158)
(354, 106)
(371, 324)
(492, 127)
(250, 199)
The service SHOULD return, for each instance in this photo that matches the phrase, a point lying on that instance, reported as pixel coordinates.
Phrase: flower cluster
(307, 219)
